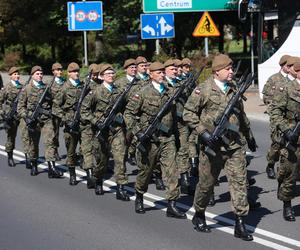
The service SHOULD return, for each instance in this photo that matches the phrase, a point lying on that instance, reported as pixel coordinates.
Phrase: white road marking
(18, 155)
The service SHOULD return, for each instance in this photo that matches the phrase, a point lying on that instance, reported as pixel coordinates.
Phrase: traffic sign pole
(85, 47)
(157, 47)
(206, 46)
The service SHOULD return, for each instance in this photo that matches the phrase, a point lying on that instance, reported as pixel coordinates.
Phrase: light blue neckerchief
(17, 84)
(144, 76)
(75, 83)
(226, 87)
(161, 88)
(59, 80)
(171, 81)
(39, 84)
(109, 87)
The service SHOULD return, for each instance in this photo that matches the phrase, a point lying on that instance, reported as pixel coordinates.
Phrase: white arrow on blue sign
(156, 26)
(87, 15)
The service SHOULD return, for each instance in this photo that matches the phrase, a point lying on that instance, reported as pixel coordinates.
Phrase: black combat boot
(185, 185)
(72, 172)
(270, 171)
(159, 184)
(194, 162)
(288, 211)
(52, 171)
(212, 201)
(139, 203)
(172, 211)
(27, 162)
(10, 159)
(240, 230)
(56, 155)
(131, 160)
(199, 222)
(33, 171)
(99, 187)
(121, 193)
(90, 179)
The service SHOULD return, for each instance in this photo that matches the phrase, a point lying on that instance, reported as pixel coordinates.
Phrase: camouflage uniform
(56, 89)
(284, 110)
(27, 102)
(8, 94)
(93, 109)
(208, 101)
(145, 104)
(64, 107)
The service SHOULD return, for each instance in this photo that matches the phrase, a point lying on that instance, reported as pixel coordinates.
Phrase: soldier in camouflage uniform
(65, 107)
(8, 96)
(182, 132)
(55, 90)
(145, 104)
(121, 83)
(142, 65)
(203, 107)
(42, 125)
(94, 109)
(278, 80)
(284, 114)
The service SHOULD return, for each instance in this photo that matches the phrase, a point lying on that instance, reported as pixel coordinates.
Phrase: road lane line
(190, 210)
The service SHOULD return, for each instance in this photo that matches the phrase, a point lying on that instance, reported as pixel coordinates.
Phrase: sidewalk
(254, 106)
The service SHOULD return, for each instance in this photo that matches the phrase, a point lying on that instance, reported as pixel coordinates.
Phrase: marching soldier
(94, 109)
(65, 106)
(145, 104)
(203, 107)
(28, 101)
(284, 114)
(8, 96)
(182, 132)
(186, 67)
(278, 80)
(142, 66)
(55, 90)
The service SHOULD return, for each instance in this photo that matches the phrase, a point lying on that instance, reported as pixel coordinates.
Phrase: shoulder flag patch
(197, 91)
(136, 97)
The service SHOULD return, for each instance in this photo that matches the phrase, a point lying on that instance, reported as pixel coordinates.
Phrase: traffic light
(242, 10)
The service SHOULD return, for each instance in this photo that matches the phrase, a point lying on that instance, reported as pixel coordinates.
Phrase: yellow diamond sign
(206, 27)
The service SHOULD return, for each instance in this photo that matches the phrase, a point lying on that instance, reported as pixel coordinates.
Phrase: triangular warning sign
(206, 26)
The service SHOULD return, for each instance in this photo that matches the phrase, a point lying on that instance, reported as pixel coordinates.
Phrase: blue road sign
(85, 16)
(156, 26)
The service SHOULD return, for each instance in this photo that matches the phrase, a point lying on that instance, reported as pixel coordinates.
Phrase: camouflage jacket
(274, 82)
(97, 104)
(143, 107)
(8, 95)
(285, 107)
(64, 105)
(29, 98)
(206, 104)
(56, 89)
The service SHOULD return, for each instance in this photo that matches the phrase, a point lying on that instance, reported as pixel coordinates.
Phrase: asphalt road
(41, 213)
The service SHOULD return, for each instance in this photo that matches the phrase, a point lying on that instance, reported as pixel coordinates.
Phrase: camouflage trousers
(234, 164)
(193, 144)
(71, 141)
(11, 136)
(163, 154)
(274, 151)
(56, 125)
(46, 129)
(287, 174)
(116, 144)
(87, 146)
(182, 156)
(25, 136)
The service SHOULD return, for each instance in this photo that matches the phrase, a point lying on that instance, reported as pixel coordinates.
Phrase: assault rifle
(11, 115)
(222, 124)
(111, 114)
(73, 127)
(292, 145)
(38, 110)
(155, 124)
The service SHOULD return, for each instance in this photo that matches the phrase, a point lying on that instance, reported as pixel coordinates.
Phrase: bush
(11, 59)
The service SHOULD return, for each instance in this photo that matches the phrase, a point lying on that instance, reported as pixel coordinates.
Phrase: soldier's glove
(208, 140)
(251, 141)
(290, 136)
